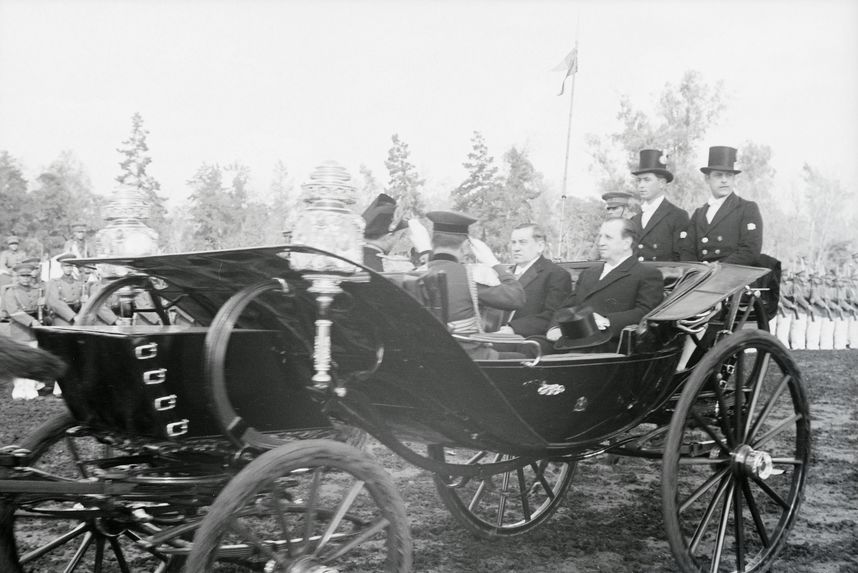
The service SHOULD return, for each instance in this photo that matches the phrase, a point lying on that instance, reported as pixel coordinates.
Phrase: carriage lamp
(326, 223)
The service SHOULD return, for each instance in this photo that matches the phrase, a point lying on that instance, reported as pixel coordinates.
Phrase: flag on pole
(570, 65)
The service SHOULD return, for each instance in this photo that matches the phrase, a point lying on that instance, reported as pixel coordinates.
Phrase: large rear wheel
(502, 503)
(736, 457)
(311, 506)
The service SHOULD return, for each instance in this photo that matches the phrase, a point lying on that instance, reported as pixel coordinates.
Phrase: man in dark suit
(728, 228)
(664, 226)
(546, 285)
(619, 291)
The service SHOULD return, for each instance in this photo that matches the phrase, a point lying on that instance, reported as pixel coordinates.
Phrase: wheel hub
(756, 463)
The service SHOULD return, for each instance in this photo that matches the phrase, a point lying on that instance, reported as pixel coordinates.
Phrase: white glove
(483, 253)
(419, 236)
(553, 334)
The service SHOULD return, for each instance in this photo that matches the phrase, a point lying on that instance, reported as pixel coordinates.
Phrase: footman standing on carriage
(449, 234)
(727, 228)
(664, 226)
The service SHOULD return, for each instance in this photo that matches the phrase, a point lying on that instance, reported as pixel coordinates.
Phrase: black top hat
(579, 330)
(450, 222)
(617, 198)
(379, 217)
(654, 161)
(721, 158)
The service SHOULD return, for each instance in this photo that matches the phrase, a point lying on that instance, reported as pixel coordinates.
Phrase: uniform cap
(65, 257)
(34, 261)
(12, 239)
(79, 227)
(379, 217)
(450, 222)
(617, 198)
(24, 268)
(653, 161)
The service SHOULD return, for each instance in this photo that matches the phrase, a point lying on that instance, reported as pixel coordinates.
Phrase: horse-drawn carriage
(201, 437)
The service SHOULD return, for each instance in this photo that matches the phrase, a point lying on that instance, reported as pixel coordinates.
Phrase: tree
(369, 187)
(479, 194)
(13, 195)
(134, 172)
(682, 116)
(829, 208)
(285, 204)
(404, 185)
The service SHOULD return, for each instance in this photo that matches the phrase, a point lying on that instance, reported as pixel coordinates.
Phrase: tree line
(222, 211)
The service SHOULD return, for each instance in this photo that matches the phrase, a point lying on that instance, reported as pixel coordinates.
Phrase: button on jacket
(663, 235)
(735, 234)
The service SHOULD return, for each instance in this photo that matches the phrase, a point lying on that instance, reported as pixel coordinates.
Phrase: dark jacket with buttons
(735, 234)
(664, 233)
(546, 285)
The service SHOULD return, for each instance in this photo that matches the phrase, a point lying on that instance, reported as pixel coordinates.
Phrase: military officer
(663, 225)
(841, 323)
(65, 294)
(852, 297)
(78, 245)
(379, 238)
(727, 228)
(22, 302)
(787, 309)
(803, 311)
(10, 257)
(618, 204)
(820, 312)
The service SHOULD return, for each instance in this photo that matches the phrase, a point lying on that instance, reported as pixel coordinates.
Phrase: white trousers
(826, 334)
(798, 332)
(853, 332)
(782, 329)
(841, 333)
(813, 329)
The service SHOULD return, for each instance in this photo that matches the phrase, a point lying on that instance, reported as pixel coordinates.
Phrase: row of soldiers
(818, 310)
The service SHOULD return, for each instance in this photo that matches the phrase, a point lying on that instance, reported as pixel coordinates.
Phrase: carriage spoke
(739, 380)
(704, 487)
(708, 429)
(248, 535)
(770, 404)
(722, 527)
(761, 368)
(707, 516)
(540, 475)
(503, 494)
(344, 506)
(310, 514)
(478, 496)
(739, 525)
(523, 491)
(99, 553)
(120, 555)
(765, 438)
(770, 492)
(277, 508)
(722, 417)
(53, 544)
(367, 533)
(755, 513)
(81, 551)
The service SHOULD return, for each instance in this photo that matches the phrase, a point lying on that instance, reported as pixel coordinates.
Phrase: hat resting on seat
(379, 217)
(579, 330)
(653, 161)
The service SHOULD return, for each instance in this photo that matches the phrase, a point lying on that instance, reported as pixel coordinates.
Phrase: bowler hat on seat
(579, 330)
(653, 161)
(721, 158)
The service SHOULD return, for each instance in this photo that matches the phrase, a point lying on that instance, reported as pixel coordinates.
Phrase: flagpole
(564, 251)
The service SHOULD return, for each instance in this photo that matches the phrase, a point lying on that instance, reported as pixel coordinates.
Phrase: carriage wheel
(43, 533)
(89, 312)
(736, 457)
(502, 504)
(308, 507)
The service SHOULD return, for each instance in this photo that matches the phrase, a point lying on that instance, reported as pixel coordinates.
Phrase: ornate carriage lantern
(327, 223)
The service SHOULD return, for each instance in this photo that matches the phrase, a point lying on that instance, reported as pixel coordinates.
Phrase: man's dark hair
(628, 230)
(537, 230)
(448, 240)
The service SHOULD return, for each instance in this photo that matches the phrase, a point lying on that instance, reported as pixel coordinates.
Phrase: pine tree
(13, 194)
(405, 185)
(481, 194)
(133, 171)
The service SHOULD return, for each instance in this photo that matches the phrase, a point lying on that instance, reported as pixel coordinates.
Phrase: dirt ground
(611, 520)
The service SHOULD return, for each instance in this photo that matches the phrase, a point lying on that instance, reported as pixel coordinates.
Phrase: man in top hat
(727, 228)
(10, 257)
(464, 293)
(618, 204)
(65, 294)
(77, 245)
(546, 285)
(664, 226)
(378, 235)
(619, 291)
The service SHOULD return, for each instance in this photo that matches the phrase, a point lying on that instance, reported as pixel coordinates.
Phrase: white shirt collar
(649, 207)
(609, 267)
(714, 205)
(520, 270)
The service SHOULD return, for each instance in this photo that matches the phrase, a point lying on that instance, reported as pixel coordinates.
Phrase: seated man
(449, 234)
(545, 284)
(619, 291)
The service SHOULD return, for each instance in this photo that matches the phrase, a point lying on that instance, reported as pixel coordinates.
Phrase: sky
(302, 82)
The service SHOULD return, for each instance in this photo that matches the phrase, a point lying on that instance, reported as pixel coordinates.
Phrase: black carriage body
(148, 380)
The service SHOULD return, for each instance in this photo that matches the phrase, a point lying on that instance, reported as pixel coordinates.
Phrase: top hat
(653, 161)
(12, 240)
(379, 216)
(579, 330)
(721, 158)
(450, 222)
(617, 198)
